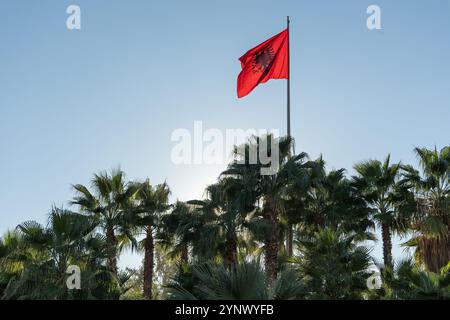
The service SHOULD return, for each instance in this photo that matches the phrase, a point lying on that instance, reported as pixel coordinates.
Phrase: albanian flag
(269, 60)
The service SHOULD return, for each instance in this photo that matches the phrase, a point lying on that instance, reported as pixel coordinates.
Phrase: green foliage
(38, 257)
(245, 281)
(408, 281)
(333, 266)
(212, 248)
(430, 216)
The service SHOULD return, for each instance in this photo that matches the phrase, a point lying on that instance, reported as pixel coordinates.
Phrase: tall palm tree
(108, 202)
(431, 218)
(170, 235)
(332, 201)
(377, 182)
(207, 224)
(269, 188)
(295, 202)
(152, 202)
(239, 202)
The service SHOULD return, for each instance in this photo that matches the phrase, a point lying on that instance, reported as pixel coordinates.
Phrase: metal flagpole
(290, 231)
(288, 86)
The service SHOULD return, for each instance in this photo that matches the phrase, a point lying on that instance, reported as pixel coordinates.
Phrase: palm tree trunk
(184, 256)
(112, 242)
(271, 242)
(434, 249)
(230, 249)
(290, 240)
(435, 252)
(387, 244)
(319, 221)
(62, 272)
(148, 264)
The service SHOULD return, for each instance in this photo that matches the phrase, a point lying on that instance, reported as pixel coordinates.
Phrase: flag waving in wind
(269, 60)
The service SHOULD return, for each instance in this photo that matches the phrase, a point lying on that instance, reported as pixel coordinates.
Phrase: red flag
(269, 60)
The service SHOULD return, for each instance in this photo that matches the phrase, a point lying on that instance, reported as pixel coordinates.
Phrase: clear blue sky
(76, 102)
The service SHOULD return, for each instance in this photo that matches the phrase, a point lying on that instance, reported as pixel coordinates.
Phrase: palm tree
(108, 203)
(378, 184)
(151, 203)
(295, 202)
(408, 281)
(269, 188)
(225, 209)
(12, 258)
(169, 233)
(206, 224)
(332, 265)
(44, 253)
(431, 217)
(331, 201)
(188, 232)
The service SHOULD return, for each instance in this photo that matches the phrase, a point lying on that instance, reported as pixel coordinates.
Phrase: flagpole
(288, 85)
(290, 231)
